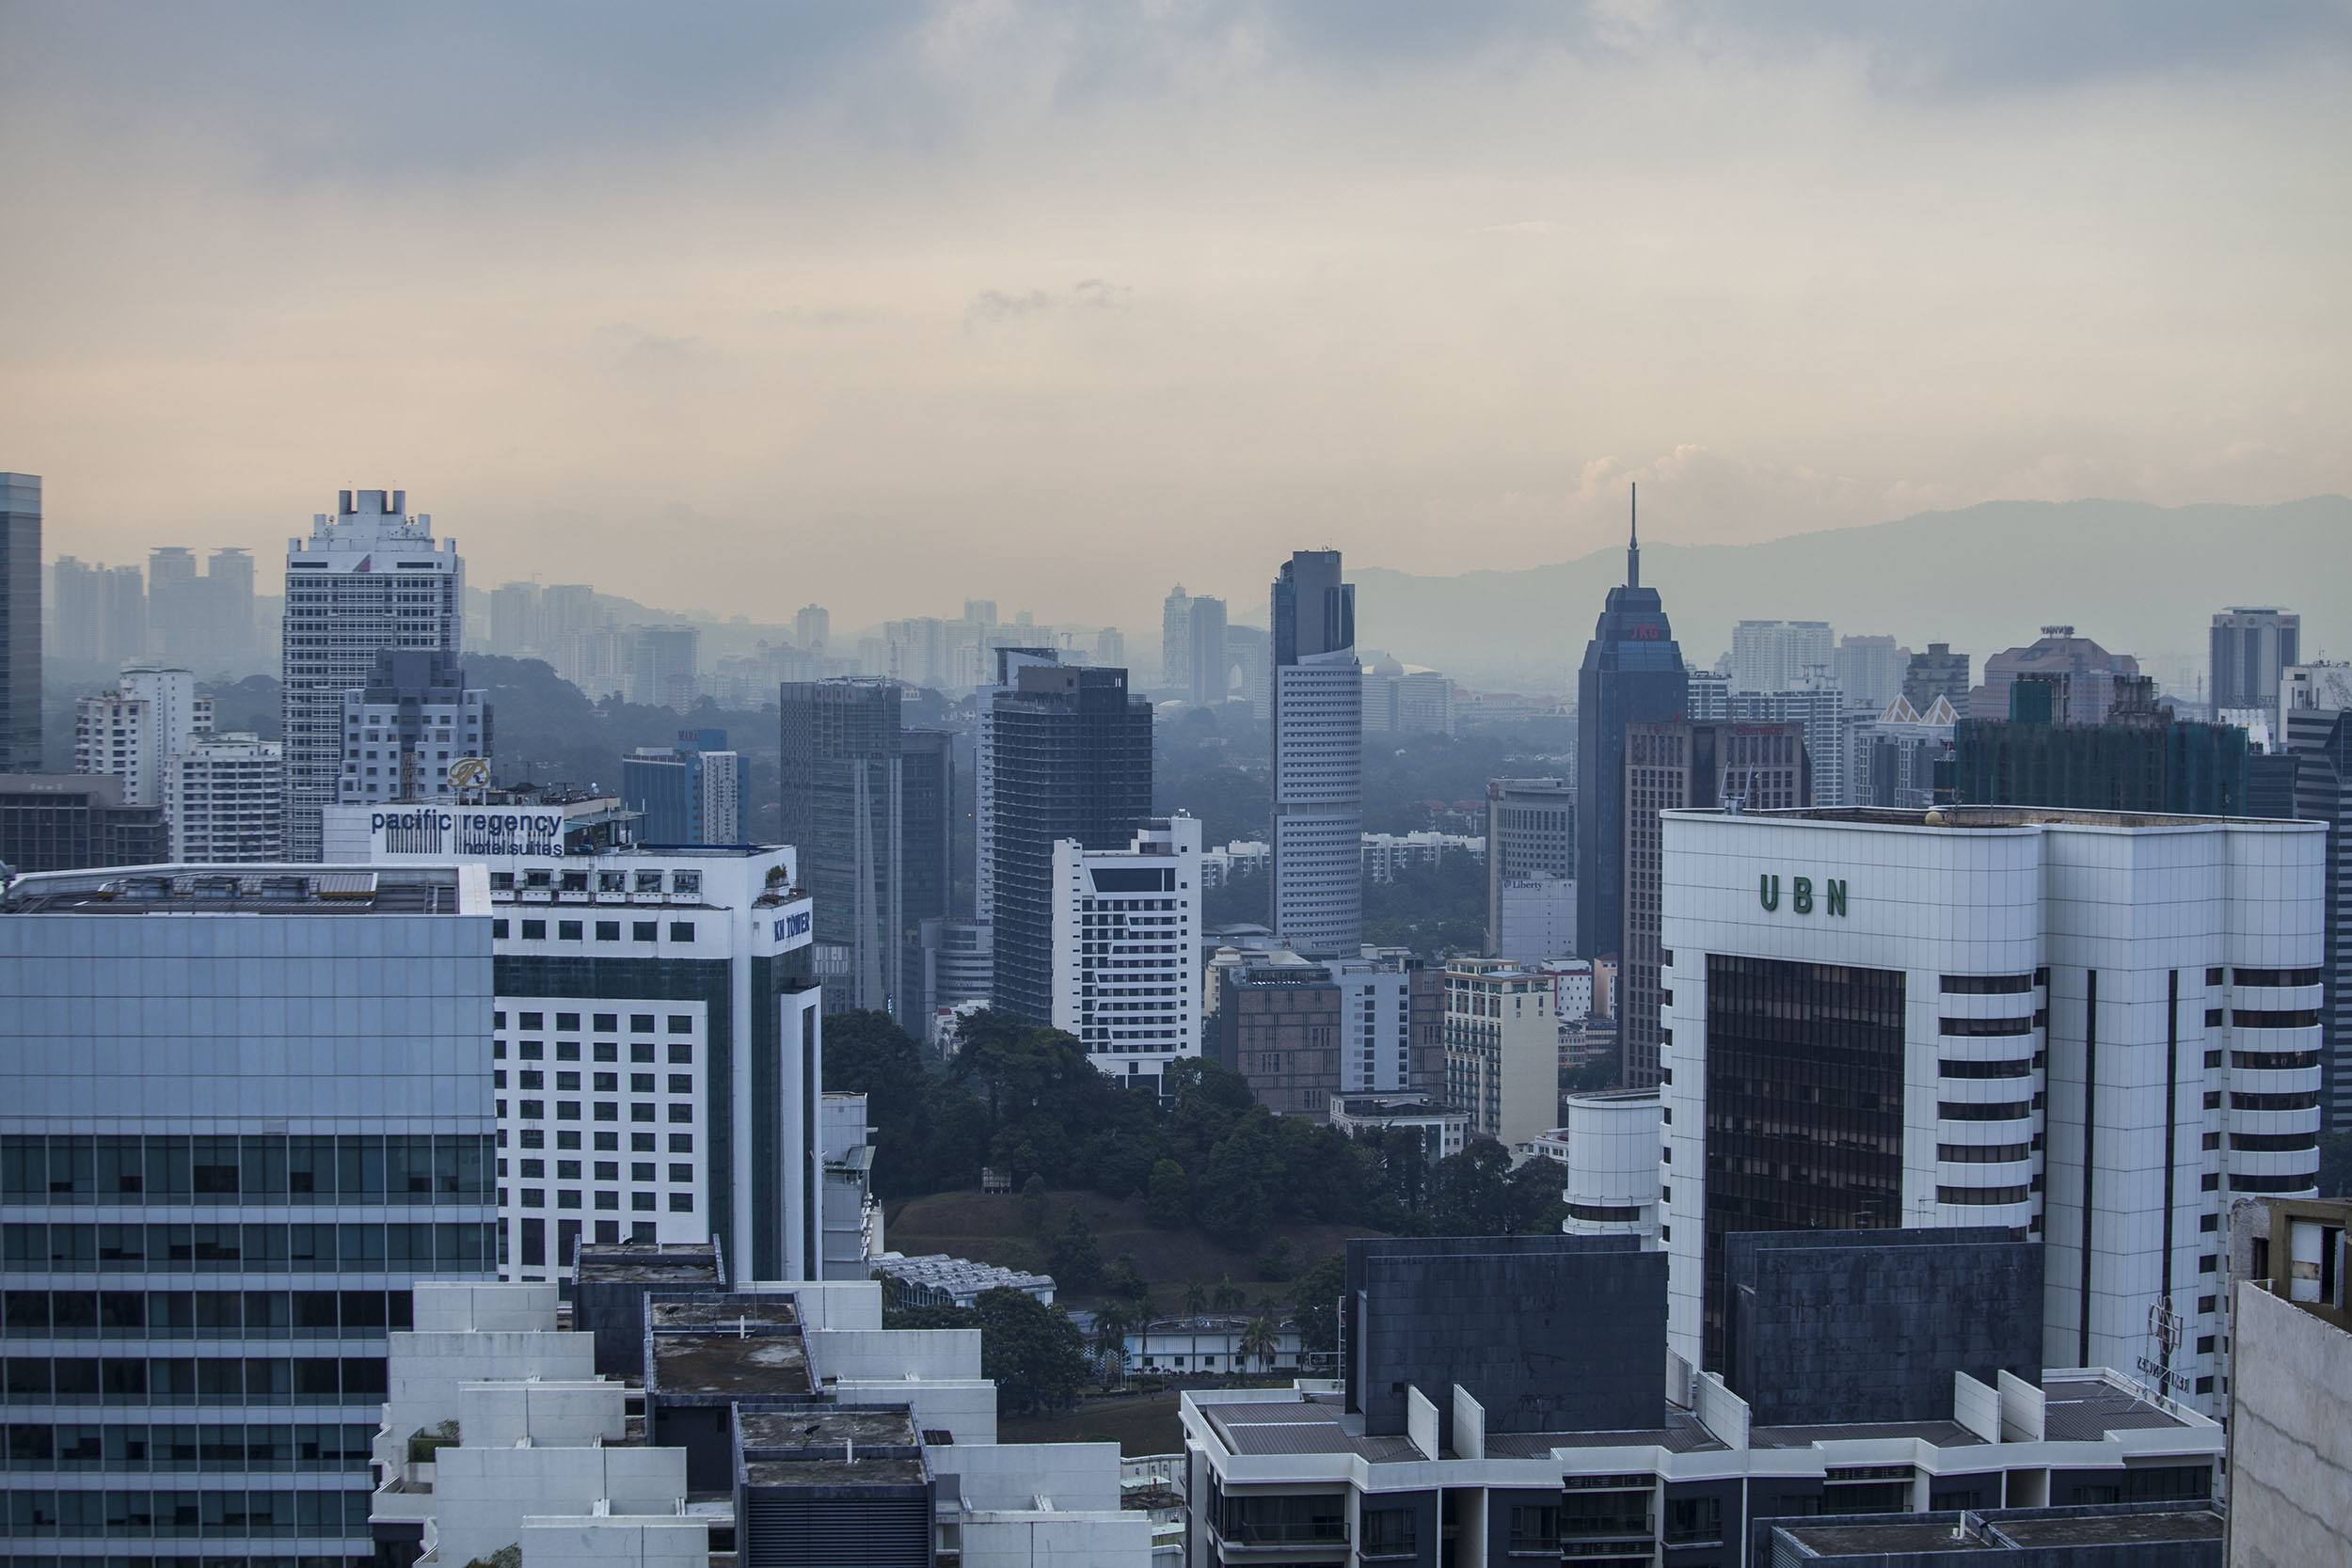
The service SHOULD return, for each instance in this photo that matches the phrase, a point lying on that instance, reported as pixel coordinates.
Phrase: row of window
(203, 1314)
(608, 1201)
(600, 1083)
(681, 1052)
(142, 1380)
(606, 930)
(688, 884)
(221, 1448)
(679, 1112)
(604, 1023)
(40, 1514)
(351, 1168)
(251, 1249)
(606, 1143)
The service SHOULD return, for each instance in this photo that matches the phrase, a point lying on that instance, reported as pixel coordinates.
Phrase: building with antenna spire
(1632, 673)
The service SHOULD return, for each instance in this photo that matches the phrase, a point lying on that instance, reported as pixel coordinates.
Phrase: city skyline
(1402, 280)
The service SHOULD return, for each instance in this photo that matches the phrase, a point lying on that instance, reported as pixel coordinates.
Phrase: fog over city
(734, 307)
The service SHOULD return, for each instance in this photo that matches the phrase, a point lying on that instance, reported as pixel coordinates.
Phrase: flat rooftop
(1983, 816)
(2129, 1525)
(732, 1312)
(830, 1426)
(649, 1263)
(726, 1363)
(242, 889)
(833, 1472)
(2085, 1409)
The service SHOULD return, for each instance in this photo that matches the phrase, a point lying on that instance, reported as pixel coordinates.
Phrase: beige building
(1502, 1051)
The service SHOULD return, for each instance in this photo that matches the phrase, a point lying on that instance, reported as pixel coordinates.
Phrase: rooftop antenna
(1633, 543)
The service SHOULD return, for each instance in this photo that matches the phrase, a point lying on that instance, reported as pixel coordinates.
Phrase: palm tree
(1196, 1300)
(1229, 1296)
(1112, 1324)
(1258, 1342)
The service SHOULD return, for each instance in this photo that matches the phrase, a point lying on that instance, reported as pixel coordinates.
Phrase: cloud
(1088, 294)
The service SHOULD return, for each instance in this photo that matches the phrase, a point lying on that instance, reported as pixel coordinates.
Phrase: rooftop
(722, 1362)
(1986, 818)
(732, 1313)
(649, 1263)
(248, 888)
(957, 1274)
(2004, 1530)
(835, 1471)
(829, 1426)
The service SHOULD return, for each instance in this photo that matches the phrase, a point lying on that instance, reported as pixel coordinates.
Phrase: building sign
(1801, 900)
(793, 924)
(467, 830)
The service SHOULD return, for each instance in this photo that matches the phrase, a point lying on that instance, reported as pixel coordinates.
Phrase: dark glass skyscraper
(1632, 671)
(841, 790)
(20, 624)
(2140, 759)
(926, 862)
(1074, 760)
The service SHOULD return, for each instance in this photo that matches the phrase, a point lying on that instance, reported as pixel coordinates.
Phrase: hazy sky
(883, 305)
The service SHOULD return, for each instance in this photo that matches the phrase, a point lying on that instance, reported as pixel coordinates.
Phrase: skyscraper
(1956, 1018)
(225, 797)
(2138, 758)
(2319, 739)
(1176, 639)
(368, 579)
(842, 794)
(2090, 669)
(2251, 647)
(1870, 671)
(926, 877)
(253, 1107)
(20, 623)
(175, 604)
(1679, 763)
(1073, 762)
(1127, 950)
(1010, 664)
(77, 615)
(1317, 749)
(811, 627)
(1632, 671)
(1205, 676)
(691, 793)
(229, 609)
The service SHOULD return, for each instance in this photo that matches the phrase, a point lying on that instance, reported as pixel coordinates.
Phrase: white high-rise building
(1820, 704)
(1009, 662)
(1774, 655)
(1502, 1050)
(1318, 756)
(369, 579)
(656, 1042)
(1870, 669)
(225, 800)
(2090, 1028)
(1127, 949)
(132, 732)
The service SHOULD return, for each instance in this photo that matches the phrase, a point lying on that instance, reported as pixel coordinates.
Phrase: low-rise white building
(132, 732)
(1442, 1129)
(1386, 854)
(1502, 1051)
(1127, 949)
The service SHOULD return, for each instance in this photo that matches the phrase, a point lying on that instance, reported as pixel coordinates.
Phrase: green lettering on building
(1800, 893)
(1768, 890)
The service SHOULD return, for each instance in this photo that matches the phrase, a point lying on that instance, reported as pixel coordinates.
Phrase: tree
(1228, 1296)
(1237, 1182)
(1034, 1211)
(867, 1053)
(1072, 1257)
(1196, 1299)
(1259, 1342)
(1532, 1200)
(1125, 1281)
(1473, 1190)
(1167, 1202)
(1275, 1261)
(1032, 1351)
(1113, 1323)
(1316, 1303)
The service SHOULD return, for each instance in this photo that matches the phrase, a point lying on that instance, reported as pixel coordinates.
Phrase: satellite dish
(468, 773)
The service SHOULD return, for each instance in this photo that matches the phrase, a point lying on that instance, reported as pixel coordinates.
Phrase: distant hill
(2138, 579)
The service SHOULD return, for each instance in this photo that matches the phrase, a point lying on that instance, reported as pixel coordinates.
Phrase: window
(2270, 1018)
(1987, 985)
(609, 1201)
(567, 930)
(2279, 977)
(498, 931)
(681, 1173)
(640, 1023)
(681, 1203)
(642, 1202)
(1981, 1028)
(681, 1023)
(681, 1083)
(641, 1051)
(1536, 1527)
(1693, 1521)
(681, 1054)
(681, 930)
(2013, 1068)
(681, 1143)
(607, 1022)
(608, 930)
(533, 930)
(1387, 1532)
(643, 930)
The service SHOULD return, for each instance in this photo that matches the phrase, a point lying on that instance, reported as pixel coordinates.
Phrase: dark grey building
(1073, 758)
(1530, 837)
(2320, 741)
(2251, 647)
(1828, 1326)
(1632, 671)
(20, 623)
(926, 858)
(842, 793)
(1492, 1313)
(75, 822)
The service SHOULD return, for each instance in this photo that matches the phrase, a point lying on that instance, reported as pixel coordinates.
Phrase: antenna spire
(1633, 541)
